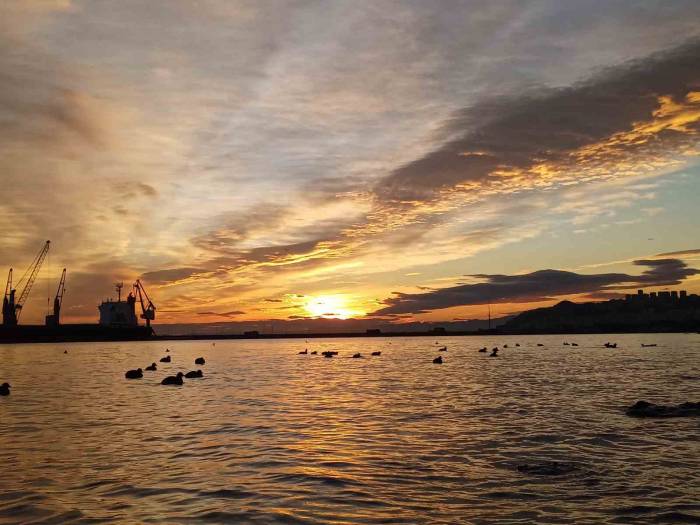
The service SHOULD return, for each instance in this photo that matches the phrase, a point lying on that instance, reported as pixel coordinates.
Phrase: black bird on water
(5, 389)
(442, 349)
(482, 349)
(199, 361)
(377, 353)
(314, 352)
(540, 344)
(437, 360)
(134, 374)
(194, 373)
(494, 353)
(65, 351)
(304, 352)
(358, 355)
(152, 367)
(173, 380)
(165, 359)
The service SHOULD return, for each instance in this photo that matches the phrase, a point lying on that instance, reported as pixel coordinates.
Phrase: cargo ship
(118, 319)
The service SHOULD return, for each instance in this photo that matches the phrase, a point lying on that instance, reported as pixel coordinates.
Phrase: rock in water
(646, 409)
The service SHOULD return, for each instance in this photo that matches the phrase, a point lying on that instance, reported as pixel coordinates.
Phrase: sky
(397, 160)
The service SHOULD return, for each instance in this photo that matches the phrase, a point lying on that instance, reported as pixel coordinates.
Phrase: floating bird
(574, 344)
(566, 344)
(304, 352)
(314, 352)
(437, 360)
(193, 374)
(610, 345)
(134, 374)
(199, 361)
(540, 344)
(358, 355)
(5, 389)
(167, 350)
(376, 353)
(648, 346)
(517, 344)
(165, 359)
(443, 349)
(328, 354)
(505, 346)
(482, 349)
(152, 367)
(494, 352)
(65, 351)
(173, 380)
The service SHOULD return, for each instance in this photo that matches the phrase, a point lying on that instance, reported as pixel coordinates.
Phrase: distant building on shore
(654, 297)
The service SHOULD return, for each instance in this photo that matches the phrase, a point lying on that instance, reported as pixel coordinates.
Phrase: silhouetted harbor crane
(148, 312)
(12, 309)
(54, 319)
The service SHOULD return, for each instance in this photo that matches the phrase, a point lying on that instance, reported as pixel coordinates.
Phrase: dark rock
(646, 409)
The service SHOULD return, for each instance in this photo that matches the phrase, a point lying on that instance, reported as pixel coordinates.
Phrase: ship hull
(72, 333)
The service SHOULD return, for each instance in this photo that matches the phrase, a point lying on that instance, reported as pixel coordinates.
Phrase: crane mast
(9, 316)
(55, 318)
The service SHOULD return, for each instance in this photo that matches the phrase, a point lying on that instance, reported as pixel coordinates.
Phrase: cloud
(170, 276)
(555, 127)
(682, 252)
(541, 285)
(227, 315)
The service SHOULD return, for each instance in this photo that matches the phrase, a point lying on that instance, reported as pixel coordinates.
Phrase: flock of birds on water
(177, 380)
(438, 360)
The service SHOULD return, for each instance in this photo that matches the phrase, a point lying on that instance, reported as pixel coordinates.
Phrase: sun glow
(330, 306)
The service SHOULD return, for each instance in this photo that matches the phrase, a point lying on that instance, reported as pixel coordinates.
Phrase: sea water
(537, 435)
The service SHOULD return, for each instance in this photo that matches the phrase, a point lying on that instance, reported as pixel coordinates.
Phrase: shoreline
(116, 337)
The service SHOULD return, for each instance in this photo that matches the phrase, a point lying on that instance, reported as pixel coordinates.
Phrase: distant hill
(636, 313)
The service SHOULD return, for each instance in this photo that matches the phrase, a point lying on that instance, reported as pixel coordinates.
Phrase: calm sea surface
(269, 436)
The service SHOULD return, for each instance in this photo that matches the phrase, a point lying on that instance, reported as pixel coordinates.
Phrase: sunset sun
(330, 306)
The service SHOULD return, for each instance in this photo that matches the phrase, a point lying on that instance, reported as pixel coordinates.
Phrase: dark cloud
(682, 252)
(664, 272)
(536, 286)
(548, 125)
(230, 314)
(170, 275)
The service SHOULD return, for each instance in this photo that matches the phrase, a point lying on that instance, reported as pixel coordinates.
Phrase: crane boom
(33, 271)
